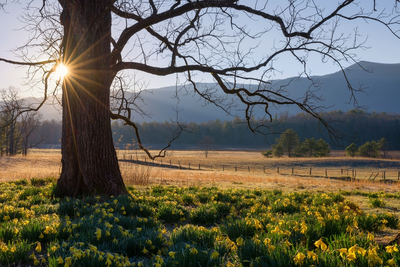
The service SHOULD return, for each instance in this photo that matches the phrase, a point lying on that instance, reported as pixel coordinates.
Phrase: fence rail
(343, 173)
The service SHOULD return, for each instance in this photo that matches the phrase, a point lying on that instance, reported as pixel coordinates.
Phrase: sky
(384, 49)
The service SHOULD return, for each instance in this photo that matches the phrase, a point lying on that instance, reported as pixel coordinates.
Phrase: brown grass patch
(241, 169)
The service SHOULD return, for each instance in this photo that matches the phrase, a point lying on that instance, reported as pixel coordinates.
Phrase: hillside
(381, 93)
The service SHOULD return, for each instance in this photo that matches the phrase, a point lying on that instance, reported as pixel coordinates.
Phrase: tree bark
(89, 161)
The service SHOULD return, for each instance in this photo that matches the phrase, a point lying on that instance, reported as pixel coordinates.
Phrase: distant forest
(357, 126)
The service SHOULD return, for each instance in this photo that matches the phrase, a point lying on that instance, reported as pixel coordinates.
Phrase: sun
(61, 71)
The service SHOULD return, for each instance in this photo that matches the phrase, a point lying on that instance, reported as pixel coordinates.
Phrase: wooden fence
(343, 173)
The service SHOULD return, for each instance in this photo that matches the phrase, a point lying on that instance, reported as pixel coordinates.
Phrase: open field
(241, 169)
(47, 163)
(216, 216)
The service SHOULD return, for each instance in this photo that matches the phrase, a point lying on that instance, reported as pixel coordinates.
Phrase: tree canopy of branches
(100, 41)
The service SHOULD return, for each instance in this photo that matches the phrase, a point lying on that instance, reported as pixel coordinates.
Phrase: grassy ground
(218, 204)
(165, 226)
(243, 169)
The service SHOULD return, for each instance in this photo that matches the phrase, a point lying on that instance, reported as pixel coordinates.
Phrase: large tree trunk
(89, 161)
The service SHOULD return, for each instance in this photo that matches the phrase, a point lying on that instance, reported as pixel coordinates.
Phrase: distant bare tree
(29, 122)
(206, 144)
(17, 126)
(10, 107)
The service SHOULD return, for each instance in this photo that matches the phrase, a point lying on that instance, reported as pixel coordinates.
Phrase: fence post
(161, 161)
(292, 170)
(384, 175)
(223, 167)
(326, 173)
(131, 157)
(235, 168)
(310, 171)
(189, 165)
(341, 171)
(124, 156)
(398, 176)
(211, 167)
(277, 169)
(264, 169)
(248, 168)
(199, 166)
(169, 163)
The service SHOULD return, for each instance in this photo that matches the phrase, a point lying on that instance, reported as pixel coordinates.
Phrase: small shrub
(376, 202)
(194, 235)
(171, 213)
(268, 153)
(204, 214)
(351, 150)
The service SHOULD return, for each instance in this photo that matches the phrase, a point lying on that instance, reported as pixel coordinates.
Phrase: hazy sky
(384, 49)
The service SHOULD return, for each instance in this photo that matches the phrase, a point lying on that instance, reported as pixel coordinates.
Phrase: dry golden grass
(38, 164)
(218, 169)
(255, 166)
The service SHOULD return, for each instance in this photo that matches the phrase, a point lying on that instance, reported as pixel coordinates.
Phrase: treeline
(357, 126)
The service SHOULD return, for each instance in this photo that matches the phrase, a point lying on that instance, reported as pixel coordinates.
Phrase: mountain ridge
(381, 93)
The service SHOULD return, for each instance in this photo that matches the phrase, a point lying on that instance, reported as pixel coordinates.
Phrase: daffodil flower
(214, 255)
(299, 258)
(320, 244)
(38, 247)
(239, 241)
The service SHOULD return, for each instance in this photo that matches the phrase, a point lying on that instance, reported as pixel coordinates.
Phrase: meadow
(206, 217)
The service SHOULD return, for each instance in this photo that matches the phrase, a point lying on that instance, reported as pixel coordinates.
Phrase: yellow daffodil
(172, 254)
(391, 249)
(351, 256)
(320, 244)
(370, 236)
(98, 233)
(239, 241)
(214, 255)
(60, 260)
(38, 247)
(391, 263)
(93, 248)
(357, 249)
(312, 255)
(303, 227)
(287, 243)
(299, 258)
(373, 256)
(193, 250)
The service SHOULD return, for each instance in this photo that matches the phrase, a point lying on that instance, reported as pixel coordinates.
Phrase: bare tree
(193, 39)
(17, 127)
(29, 122)
(206, 144)
(10, 107)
